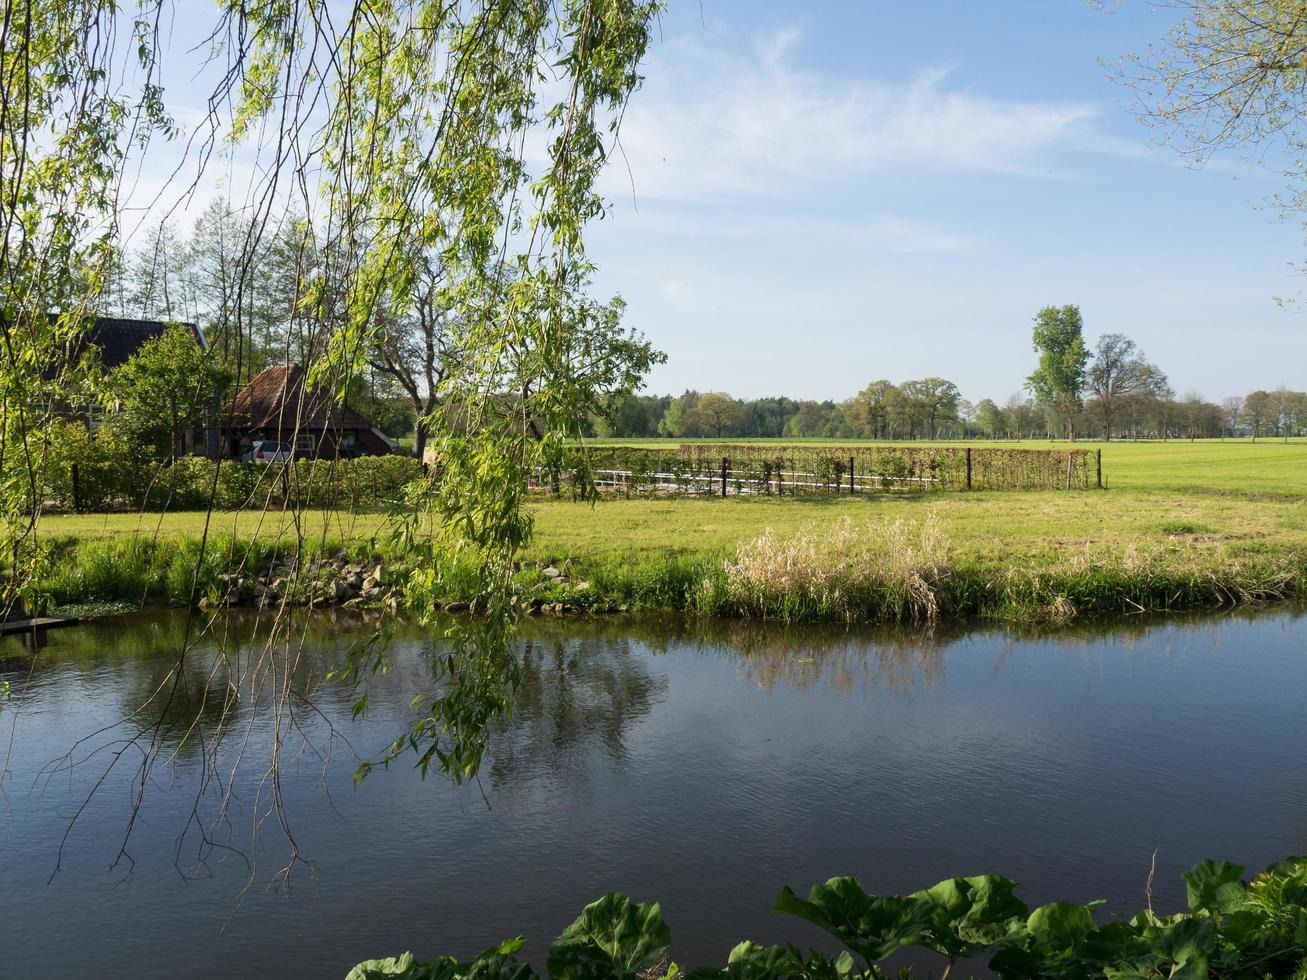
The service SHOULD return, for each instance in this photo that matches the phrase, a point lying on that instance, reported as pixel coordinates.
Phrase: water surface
(701, 764)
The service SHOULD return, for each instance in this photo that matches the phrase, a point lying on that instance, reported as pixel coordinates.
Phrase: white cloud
(871, 233)
(720, 121)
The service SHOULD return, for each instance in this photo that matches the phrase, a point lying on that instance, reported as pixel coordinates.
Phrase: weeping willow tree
(465, 133)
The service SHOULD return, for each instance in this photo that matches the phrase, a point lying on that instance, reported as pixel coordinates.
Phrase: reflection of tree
(572, 695)
(188, 681)
(806, 655)
(769, 652)
(201, 694)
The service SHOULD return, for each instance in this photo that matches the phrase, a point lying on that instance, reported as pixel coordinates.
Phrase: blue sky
(814, 196)
(811, 196)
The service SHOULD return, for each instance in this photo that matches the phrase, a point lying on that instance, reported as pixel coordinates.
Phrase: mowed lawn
(1211, 495)
(1208, 495)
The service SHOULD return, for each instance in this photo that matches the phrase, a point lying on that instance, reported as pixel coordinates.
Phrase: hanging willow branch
(387, 137)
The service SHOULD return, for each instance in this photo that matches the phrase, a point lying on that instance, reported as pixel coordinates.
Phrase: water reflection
(851, 658)
(703, 763)
(574, 695)
(583, 681)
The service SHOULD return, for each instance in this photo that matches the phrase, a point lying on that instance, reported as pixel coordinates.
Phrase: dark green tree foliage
(1059, 378)
(991, 419)
(169, 387)
(378, 399)
(625, 415)
(933, 400)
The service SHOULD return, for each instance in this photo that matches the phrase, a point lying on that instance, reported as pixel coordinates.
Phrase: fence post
(852, 488)
(1100, 469)
(77, 489)
(968, 467)
(726, 464)
(1070, 462)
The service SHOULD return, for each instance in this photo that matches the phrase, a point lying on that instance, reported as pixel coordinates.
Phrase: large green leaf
(969, 915)
(405, 968)
(819, 967)
(1281, 885)
(1215, 886)
(496, 963)
(749, 961)
(499, 964)
(1051, 944)
(1116, 942)
(1187, 945)
(612, 938)
(1060, 925)
(871, 926)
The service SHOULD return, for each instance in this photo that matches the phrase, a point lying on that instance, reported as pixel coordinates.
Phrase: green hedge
(110, 478)
(802, 470)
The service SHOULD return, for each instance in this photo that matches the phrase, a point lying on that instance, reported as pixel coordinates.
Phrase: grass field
(1188, 520)
(1240, 465)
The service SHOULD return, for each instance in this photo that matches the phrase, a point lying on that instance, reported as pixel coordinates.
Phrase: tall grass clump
(660, 582)
(1148, 578)
(878, 571)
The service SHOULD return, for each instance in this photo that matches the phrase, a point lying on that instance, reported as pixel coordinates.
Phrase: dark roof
(118, 338)
(277, 399)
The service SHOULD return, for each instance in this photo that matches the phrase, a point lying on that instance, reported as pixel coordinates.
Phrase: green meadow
(1180, 524)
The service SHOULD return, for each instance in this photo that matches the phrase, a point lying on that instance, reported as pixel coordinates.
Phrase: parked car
(269, 451)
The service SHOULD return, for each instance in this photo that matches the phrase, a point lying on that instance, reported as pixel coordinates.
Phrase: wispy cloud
(867, 233)
(730, 120)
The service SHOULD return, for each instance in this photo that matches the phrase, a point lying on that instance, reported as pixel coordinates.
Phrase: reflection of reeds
(895, 661)
(889, 571)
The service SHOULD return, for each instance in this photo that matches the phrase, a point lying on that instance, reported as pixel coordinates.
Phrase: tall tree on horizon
(1119, 371)
(933, 399)
(1059, 378)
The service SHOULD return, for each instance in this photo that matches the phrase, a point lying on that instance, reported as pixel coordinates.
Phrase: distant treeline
(1109, 391)
(934, 408)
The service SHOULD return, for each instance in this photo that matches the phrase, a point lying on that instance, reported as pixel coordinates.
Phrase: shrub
(89, 472)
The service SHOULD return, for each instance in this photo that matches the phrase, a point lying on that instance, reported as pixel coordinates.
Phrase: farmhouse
(117, 339)
(279, 405)
(113, 341)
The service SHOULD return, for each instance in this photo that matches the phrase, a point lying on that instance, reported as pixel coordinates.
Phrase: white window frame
(305, 442)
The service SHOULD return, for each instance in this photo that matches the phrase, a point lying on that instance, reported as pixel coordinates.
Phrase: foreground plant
(1234, 928)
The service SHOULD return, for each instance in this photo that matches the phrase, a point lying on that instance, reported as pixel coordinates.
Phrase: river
(702, 764)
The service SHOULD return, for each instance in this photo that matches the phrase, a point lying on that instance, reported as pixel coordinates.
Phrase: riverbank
(866, 559)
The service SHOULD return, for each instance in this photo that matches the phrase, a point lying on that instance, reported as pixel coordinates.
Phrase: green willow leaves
(389, 138)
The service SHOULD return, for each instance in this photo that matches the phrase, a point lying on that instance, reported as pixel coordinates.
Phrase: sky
(813, 196)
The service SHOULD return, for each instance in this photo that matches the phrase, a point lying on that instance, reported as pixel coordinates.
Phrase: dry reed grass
(884, 570)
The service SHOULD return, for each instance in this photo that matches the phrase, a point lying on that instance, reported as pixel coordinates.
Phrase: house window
(304, 443)
(349, 438)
